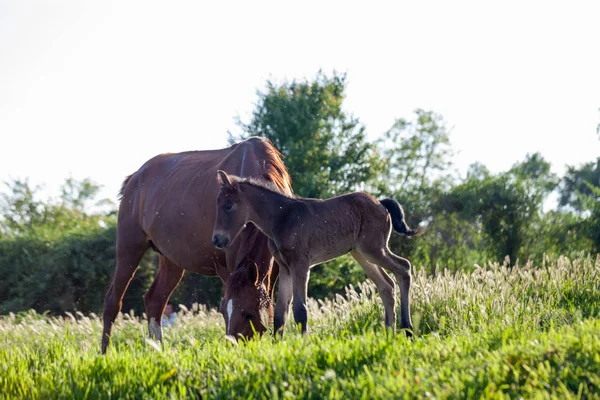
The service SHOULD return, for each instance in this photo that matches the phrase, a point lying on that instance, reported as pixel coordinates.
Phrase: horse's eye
(248, 315)
(228, 207)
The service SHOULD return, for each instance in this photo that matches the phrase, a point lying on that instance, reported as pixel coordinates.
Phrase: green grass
(493, 333)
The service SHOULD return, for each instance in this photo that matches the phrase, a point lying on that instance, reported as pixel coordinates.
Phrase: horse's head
(246, 305)
(232, 212)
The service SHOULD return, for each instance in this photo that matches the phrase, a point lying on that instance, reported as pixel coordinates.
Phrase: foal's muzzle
(220, 241)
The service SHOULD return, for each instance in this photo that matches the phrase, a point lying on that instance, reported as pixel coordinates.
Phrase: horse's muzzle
(220, 241)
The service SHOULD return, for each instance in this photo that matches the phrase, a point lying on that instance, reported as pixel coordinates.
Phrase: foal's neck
(266, 206)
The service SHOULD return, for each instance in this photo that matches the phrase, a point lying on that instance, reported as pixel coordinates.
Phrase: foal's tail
(398, 219)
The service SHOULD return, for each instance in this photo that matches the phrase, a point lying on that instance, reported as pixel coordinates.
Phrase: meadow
(530, 331)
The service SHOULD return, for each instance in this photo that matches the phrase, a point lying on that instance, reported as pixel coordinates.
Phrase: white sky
(94, 89)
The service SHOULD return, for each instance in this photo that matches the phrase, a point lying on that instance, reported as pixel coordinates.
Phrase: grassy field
(493, 333)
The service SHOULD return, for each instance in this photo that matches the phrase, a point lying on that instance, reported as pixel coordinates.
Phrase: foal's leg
(385, 287)
(300, 274)
(400, 267)
(131, 246)
(284, 297)
(168, 277)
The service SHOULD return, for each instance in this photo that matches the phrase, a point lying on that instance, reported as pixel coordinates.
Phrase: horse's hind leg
(385, 287)
(130, 250)
(168, 277)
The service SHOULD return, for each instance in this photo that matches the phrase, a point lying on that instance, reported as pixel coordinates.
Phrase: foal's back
(330, 228)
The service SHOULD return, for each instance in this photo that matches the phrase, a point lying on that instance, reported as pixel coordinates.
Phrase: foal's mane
(263, 184)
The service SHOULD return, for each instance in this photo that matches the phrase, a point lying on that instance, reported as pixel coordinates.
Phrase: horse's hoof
(231, 340)
(155, 330)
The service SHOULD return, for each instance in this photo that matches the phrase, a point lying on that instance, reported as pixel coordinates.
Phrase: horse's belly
(199, 256)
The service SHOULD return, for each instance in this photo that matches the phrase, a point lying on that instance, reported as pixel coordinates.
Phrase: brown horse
(169, 205)
(305, 232)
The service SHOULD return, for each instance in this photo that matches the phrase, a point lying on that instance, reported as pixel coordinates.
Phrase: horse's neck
(265, 207)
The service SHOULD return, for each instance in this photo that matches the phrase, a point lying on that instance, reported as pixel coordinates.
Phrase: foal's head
(232, 212)
(246, 305)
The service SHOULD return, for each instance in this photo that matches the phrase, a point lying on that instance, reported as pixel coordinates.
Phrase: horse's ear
(223, 178)
(270, 279)
(253, 273)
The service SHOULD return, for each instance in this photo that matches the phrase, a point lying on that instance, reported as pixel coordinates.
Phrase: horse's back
(172, 199)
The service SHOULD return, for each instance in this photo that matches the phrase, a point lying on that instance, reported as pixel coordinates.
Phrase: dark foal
(305, 232)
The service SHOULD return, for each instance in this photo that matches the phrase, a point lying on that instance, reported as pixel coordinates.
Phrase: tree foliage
(24, 213)
(505, 206)
(418, 171)
(324, 148)
(57, 254)
(417, 152)
(578, 184)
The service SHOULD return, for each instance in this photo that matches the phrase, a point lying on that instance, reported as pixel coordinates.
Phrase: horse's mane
(275, 178)
(123, 185)
(276, 171)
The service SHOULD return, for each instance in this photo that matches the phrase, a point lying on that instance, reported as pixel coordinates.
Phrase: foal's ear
(223, 178)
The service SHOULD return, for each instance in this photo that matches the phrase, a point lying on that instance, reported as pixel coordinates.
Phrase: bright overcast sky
(94, 89)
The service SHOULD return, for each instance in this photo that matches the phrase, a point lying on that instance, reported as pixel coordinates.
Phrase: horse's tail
(398, 219)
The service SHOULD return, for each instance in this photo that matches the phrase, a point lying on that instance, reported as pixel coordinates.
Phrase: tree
(80, 195)
(505, 206)
(578, 183)
(535, 172)
(20, 210)
(580, 192)
(58, 254)
(24, 213)
(324, 148)
(418, 159)
(592, 222)
(418, 152)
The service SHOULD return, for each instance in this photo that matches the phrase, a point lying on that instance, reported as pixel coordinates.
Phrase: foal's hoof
(409, 333)
(105, 343)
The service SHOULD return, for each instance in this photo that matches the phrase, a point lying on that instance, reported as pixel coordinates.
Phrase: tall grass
(495, 332)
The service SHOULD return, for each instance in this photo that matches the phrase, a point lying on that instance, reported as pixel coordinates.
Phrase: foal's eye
(248, 315)
(228, 207)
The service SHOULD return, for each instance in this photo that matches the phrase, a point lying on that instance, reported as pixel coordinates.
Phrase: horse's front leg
(300, 274)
